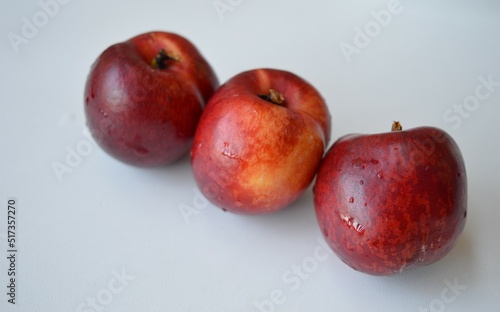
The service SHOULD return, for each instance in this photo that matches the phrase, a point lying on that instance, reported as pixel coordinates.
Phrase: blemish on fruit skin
(359, 162)
(361, 182)
(349, 245)
(351, 200)
(325, 233)
(350, 222)
(227, 152)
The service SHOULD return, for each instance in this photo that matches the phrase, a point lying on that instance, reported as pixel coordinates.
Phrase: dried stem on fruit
(274, 97)
(396, 126)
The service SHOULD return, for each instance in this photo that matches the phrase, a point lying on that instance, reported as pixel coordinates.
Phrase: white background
(105, 218)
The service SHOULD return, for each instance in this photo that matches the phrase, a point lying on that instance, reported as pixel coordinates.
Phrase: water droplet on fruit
(140, 150)
(380, 174)
(105, 125)
(351, 200)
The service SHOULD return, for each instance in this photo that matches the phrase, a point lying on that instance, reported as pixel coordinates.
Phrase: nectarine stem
(396, 126)
(160, 60)
(274, 97)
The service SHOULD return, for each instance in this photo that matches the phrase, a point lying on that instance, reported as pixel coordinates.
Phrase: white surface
(105, 217)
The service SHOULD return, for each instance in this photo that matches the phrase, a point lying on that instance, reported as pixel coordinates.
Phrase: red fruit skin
(147, 116)
(392, 201)
(251, 156)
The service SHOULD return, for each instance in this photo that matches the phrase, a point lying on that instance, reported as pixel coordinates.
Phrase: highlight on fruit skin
(259, 141)
(392, 201)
